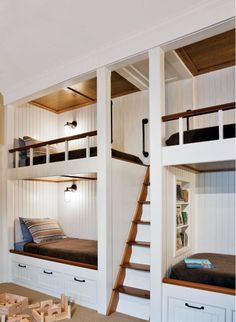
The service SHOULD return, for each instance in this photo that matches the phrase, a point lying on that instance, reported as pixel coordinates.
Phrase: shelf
(182, 226)
(182, 203)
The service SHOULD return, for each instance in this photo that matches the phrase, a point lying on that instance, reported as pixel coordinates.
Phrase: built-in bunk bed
(39, 167)
(199, 155)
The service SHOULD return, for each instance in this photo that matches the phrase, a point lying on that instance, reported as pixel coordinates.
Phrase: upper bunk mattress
(203, 134)
(223, 273)
(72, 249)
(81, 153)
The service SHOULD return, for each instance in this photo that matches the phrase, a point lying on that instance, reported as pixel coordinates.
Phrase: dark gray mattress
(223, 273)
(72, 249)
(78, 154)
(203, 134)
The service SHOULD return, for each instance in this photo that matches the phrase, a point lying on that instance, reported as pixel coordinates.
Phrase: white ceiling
(39, 35)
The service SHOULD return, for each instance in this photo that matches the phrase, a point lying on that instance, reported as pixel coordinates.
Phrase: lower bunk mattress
(222, 274)
(203, 134)
(71, 249)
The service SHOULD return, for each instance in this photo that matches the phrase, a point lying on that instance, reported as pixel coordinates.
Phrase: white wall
(33, 199)
(128, 112)
(215, 213)
(78, 217)
(213, 88)
(35, 122)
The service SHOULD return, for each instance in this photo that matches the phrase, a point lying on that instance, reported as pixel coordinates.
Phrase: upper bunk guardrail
(48, 143)
(197, 112)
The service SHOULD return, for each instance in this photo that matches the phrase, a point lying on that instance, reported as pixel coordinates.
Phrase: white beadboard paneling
(35, 122)
(86, 118)
(78, 217)
(216, 212)
(212, 88)
(215, 88)
(33, 199)
(128, 112)
(178, 98)
(169, 191)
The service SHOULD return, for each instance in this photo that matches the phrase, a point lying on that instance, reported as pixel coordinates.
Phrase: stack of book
(198, 263)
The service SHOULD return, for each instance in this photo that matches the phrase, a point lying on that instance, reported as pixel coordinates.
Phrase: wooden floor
(79, 313)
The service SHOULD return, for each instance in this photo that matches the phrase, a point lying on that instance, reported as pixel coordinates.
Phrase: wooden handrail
(55, 141)
(199, 111)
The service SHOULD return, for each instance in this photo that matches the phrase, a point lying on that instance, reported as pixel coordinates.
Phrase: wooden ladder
(119, 286)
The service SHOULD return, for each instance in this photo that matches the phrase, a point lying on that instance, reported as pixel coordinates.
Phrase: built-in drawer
(185, 311)
(23, 273)
(50, 280)
(81, 289)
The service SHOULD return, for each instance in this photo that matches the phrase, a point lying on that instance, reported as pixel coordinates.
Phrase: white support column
(104, 189)
(181, 132)
(221, 124)
(156, 105)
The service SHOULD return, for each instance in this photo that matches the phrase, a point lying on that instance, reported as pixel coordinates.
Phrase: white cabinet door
(50, 280)
(187, 311)
(81, 290)
(23, 273)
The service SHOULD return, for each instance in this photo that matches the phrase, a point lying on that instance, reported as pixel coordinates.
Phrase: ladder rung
(133, 291)
(138, 243)
(144, 202)
(136, 266)
(141, 222)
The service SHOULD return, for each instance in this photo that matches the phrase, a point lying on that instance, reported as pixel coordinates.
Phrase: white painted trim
(156, 101)
(211, 12)
(211, 151)
(76, 166)
(104, 188)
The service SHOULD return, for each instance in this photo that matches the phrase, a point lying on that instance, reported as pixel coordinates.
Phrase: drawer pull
(21, 266)
(194, 307)
(77, 280)
(49, 273)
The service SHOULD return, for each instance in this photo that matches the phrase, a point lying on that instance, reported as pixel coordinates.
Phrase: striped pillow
(44, 230)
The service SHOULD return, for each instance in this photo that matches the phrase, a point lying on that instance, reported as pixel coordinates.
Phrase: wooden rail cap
(200, 286)
(55, 141)
(199, 111)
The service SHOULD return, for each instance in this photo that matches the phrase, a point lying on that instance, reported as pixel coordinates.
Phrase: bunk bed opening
(200, 101)
(55, 219)
(62, 126)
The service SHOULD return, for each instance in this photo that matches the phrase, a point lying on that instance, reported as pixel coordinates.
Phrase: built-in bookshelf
(181, 216)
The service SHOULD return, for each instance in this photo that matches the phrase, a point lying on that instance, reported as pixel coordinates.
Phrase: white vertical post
(104, 209)
(66, 150)
(156, 105)
(221, 123)
(87, 147)
(31, 156)
(181, 132)
(47, 154)
(16, 159)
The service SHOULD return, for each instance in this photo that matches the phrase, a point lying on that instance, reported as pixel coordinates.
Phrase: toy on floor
(16, 318)
(49, 311)
(11, 304)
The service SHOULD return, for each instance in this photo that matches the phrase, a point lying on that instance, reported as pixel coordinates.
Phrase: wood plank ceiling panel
(209, 54)
(82, 94)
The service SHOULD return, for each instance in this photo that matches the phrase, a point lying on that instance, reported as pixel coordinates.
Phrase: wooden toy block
(16, 318)
(11, 304)
(50, 312)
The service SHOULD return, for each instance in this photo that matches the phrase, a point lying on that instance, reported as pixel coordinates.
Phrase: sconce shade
(69, 126)
(68, 191)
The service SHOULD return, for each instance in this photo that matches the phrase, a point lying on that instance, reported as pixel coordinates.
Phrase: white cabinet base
(185, 304)
(78, 283)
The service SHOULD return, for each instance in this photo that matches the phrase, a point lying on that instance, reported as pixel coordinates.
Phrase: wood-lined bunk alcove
(199, 173)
